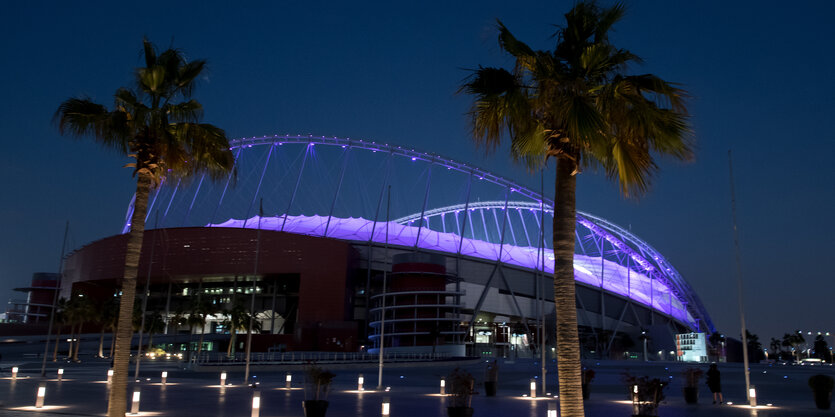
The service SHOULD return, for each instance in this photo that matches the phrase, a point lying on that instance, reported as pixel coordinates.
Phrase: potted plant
(691, 384)
(491, 377)
(316, 388)
(460, 393)
(822, 386)
(588, 376)
(646, 393)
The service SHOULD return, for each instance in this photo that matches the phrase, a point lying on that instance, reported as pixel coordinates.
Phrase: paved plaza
(413, 390)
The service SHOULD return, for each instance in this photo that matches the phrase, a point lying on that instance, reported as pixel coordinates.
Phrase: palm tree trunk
(230, 350)
(72, 342)
(568, 341)
(112, 343)
(77, 343)
(101, 343)
(57, 341)
(117, 404)
(150, 341)
(200, 345)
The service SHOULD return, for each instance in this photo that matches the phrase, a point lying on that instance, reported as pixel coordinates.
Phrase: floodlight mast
(739, 283)
(383, 298)
(55, 298)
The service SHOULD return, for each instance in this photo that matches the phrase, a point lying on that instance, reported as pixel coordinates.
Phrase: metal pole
(258, 188)
(168, 306)
(425, 200)
(252, 302)
(168, 207)
(338, 188)
(55, 298)
(739, 281)
(225, 187)
(190, 206)
(145, 298)
(296, 188)
(371, 246)
(383, 311)
(466, 210)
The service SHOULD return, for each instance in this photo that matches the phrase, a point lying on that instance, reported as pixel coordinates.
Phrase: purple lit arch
(304, 181)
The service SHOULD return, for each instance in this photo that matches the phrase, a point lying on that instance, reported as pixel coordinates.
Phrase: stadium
(346, 244)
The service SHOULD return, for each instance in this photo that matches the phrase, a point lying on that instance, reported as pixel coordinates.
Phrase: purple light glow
(618, 279)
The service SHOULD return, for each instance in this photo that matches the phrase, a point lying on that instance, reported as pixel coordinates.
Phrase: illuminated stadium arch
(337, 187)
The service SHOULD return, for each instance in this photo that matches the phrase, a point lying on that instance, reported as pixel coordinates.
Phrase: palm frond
(81, 117)
(606, 20)
(631, 166)
(202, 148)
(188, 111)
(187, 75)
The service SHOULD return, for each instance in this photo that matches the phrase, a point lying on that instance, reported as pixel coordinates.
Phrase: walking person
(714, 382)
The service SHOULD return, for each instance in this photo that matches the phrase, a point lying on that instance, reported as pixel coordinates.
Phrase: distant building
(38, 303)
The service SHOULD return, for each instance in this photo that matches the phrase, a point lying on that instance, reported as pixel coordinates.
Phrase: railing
(301, 358)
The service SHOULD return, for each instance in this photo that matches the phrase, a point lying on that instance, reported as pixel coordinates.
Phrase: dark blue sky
(760, 75)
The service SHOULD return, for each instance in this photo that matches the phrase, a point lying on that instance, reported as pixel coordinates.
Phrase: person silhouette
(714, 382)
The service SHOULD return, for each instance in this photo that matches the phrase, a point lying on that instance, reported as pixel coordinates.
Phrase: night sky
(760, 76)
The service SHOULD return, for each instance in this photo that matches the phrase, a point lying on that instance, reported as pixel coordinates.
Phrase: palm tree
(153, 324)
(157, 124)
(794, 340)
(108, 314)
(77, 310)
(578, 105)
(201, 310)
(237, 318)
(60, 321)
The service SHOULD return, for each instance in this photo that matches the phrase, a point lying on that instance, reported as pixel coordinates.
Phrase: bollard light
(288, 380)
(109, 376)
(360, 381)
(60, 374)
(41, 395)
(443, 386)
(164, 377)
(635, 404)
(14, 372)
(134, 407)
(386, 407)
(752, 396)
(552, 409)
(533, 388)
(256, 403)
(223, 379)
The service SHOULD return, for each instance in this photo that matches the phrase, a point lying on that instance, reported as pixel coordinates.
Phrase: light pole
(751, 400)
(383, 310)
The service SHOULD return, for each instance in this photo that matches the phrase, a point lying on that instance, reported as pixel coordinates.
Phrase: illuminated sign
(691, 347)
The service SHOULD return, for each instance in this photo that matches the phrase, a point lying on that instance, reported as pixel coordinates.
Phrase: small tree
(460, 388)
(317, 383)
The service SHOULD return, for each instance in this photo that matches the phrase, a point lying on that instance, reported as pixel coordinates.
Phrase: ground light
(134, 406)
(360, 381)
(288, 380)
(386, 410)
(164, 377)
(533, 388)
(223, 379)
(109, 376)
(39, 398)
(256, 403)
(443, 386)
(14, 372)
(752, 396)
(552, 409)
(60, 374)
